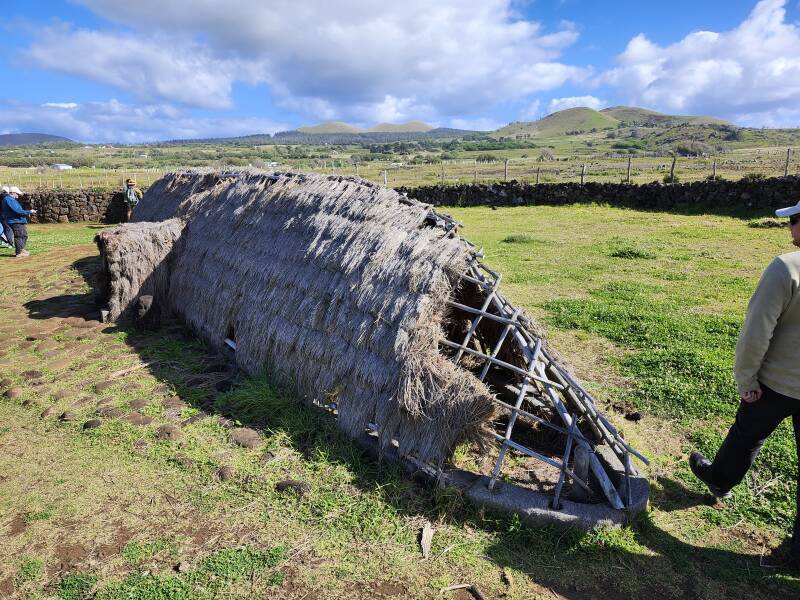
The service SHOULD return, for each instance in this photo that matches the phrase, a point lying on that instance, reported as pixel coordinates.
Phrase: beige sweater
(768, 349)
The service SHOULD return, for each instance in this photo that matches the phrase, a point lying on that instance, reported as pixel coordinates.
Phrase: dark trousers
(755, 421)
(20, 236)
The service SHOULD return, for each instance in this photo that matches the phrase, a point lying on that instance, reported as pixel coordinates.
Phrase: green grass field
(645, 306)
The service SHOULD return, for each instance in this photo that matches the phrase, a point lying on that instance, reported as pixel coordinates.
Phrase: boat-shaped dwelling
(371, 305)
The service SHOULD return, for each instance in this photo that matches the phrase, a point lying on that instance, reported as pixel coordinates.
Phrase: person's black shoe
(699, 465)
(785, 557)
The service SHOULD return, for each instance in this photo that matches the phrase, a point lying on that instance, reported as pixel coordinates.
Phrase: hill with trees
(29, 139)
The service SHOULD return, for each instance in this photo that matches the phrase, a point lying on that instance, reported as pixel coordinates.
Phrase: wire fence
(769, 162)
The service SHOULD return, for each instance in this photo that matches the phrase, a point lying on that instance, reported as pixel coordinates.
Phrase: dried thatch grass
(335, 286)
(136, 262)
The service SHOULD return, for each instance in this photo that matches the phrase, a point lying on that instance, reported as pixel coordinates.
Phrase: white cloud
(352, 59)
(114, 121)
(750, 74)
(151, 68)
(557, 104)
(68, 105)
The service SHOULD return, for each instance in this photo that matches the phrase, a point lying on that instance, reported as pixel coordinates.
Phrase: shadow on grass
(640, 561)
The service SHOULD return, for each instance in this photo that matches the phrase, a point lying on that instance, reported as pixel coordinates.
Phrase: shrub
(754, 177)
(486, 158)
(632, 252)
(671, 178)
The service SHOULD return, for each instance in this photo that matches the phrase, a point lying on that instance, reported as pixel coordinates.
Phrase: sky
(137, 71)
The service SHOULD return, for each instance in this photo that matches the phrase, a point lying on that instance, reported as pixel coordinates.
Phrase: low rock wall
(752, 197)
(54, 206)
(759, 196)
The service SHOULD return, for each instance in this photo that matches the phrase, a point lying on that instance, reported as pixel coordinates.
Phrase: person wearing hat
(16, 217)
(132, 196)
(767, 373)
(6, 235)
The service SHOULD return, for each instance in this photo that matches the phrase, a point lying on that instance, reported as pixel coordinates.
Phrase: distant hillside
(330, 127)
(584, 119)
(339, 127)
(411, 126)
(26, 139)
(371, 137)
(560, 123)
(644, 116)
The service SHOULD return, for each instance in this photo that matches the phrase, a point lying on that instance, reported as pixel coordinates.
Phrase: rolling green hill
(339, 127)
(25, 139)
(400, 127)
(330, 127)
(634, 114)
(559, 123)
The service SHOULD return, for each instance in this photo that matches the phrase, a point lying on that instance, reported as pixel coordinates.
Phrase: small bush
(520, 238)
(754, 177)
(671, 178)
(632, 252)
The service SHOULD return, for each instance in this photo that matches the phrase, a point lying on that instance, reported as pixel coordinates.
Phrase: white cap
(15, 190)
(788, 211)
(5, 189)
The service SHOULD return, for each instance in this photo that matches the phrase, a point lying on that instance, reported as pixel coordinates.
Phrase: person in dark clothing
(17, 217)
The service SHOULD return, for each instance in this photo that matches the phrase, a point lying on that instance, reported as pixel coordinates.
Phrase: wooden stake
(505, 176)
(628, 178)
(385, 177)
(672, 169)
(476, 175)
(442, 172)
(714, 171)
(356, 169)
(583, 173)
(537, 175)
(788, 156)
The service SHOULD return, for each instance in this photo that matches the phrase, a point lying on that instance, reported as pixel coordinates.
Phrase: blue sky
(108, 70)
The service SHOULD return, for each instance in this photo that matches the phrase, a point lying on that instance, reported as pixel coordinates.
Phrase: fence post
(505, 174)
(714, 171)
(788, 156)
(672, 169)
(356, 169)
(628, 178)
(583, 173)
(476, 175)
(385, 177)
(537, 175)
(442, 172)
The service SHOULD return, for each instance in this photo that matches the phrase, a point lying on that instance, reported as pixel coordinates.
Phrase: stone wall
(55, 206)
(729, 197)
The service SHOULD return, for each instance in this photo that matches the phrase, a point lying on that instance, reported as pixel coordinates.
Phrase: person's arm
(766, 306)
(15, 207)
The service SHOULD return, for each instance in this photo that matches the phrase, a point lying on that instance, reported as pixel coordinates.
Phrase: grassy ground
(645, 306)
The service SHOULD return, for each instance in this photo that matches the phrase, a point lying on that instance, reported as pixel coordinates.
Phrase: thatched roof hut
(360, 299)
(336, 287)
